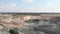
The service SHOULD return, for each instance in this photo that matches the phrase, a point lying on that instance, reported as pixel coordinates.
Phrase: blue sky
(29, 5)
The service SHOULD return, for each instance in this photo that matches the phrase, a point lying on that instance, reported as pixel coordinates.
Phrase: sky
(30, 6)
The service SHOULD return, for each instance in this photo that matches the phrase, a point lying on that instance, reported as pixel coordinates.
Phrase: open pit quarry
(30, 24)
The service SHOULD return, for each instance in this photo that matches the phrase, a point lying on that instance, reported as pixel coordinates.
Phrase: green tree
(13, 31)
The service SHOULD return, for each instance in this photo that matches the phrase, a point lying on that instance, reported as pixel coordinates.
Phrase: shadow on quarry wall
(53, 26)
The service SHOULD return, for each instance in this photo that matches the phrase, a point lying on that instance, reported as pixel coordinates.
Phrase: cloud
(7, 7)
(53, 6)
(11, 7)
(11, 4)
(28, 1)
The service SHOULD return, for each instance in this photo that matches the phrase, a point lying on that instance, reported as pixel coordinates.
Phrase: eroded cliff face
(30, 24)
(46, 26)
(17, 20)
